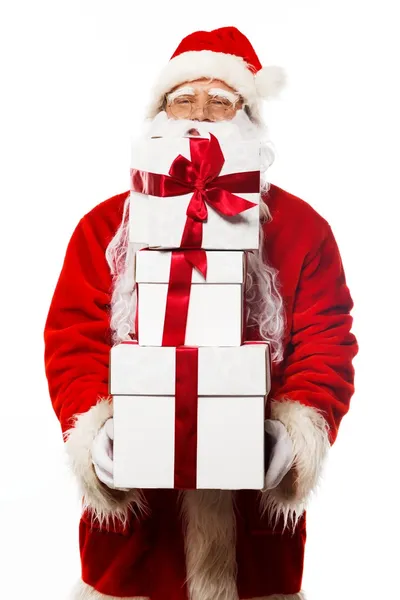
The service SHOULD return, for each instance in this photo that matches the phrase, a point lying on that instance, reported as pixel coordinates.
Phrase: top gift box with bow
(195, 193)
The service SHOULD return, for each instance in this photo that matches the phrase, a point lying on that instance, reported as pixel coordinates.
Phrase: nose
(199, 113)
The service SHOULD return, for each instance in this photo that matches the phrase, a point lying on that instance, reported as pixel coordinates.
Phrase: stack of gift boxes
(189, 393)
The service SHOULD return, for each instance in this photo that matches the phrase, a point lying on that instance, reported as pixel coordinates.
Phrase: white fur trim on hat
(231, 69)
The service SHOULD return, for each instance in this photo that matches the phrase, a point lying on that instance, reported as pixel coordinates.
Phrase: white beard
(263, 301)
(237, 129)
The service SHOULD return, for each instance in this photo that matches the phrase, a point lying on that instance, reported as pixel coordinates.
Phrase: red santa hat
(224, 54)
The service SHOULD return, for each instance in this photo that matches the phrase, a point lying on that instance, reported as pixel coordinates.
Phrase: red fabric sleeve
(318, 370)
(77, 335)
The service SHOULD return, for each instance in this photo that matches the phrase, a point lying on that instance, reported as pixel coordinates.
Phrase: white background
(75, 80)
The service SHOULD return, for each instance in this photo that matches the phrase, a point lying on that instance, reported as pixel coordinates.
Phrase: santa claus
(205, 544)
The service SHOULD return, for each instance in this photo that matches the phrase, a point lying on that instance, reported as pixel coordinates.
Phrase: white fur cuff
(105, 504)
(308, 431)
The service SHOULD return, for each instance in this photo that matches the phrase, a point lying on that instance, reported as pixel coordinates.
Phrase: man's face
(203, 100)
(200, 108)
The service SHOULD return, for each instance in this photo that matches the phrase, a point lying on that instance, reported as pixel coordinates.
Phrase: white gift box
(232, 384)
(160, 221)
(215, 314)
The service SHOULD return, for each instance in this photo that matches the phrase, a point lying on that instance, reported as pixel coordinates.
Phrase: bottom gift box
(189, 418)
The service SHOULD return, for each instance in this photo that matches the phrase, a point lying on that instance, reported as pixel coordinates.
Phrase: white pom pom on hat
(225, 54)
(270, 81)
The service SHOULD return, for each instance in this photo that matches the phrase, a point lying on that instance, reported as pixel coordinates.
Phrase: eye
(182, 100)
(220, 102)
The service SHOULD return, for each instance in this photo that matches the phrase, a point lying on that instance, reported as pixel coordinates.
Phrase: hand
(102, 454)
(282, 454)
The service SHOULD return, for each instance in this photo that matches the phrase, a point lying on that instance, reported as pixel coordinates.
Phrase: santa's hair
(264, 304)
(120, 255)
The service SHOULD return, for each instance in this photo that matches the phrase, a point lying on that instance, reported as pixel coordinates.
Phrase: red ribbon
(178, 296)
(200, 176)
(186, 409)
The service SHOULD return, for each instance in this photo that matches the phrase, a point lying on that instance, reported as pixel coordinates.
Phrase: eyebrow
(190, 91)
(224, 93)
(184, 91)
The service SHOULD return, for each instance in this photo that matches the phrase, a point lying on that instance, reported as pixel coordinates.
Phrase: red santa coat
(203, 545)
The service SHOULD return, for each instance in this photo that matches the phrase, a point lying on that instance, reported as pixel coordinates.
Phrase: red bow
(200, 176)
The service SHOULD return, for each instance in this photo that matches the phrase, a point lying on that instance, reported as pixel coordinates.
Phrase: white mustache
(240, 127)
(237, 129)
